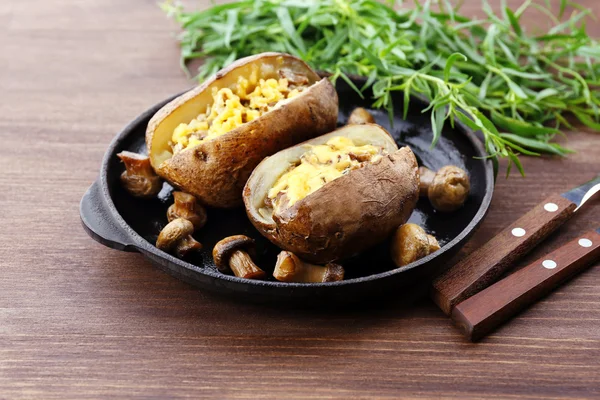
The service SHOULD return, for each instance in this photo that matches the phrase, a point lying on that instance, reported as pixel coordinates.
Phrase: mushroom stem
(242, 266)
(186, 206)
(290, 268)
(233, 253)
(139, 178)
(187, 245)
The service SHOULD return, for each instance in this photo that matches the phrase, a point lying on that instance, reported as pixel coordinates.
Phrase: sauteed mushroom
(411, 243)
(186, 206)
(176, 237)
(290, 268)
(361, 116)
(139, 178)
(232, 253)
(447, 189)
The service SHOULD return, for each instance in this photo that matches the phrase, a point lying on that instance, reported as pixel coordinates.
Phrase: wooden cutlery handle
(483, 312)
(486, 264)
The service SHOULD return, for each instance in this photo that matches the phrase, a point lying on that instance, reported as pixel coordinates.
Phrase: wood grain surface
(78, 320)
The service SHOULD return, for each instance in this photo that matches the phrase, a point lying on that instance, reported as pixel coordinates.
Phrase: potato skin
(351, 213)
(216, 170)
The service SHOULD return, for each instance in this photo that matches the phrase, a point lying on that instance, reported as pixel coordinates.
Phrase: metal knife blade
(583, 193)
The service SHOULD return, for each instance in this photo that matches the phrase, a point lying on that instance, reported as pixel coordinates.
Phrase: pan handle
(99, 223)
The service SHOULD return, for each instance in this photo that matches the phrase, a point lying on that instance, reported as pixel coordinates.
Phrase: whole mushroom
(411, 243)
(290, 268)
(139, 178)
(233, 253)
(186, 206)
(447, 189)
(176, 237)
(361, 116)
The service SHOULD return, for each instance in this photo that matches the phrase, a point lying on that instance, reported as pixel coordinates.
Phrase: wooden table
(78, 320)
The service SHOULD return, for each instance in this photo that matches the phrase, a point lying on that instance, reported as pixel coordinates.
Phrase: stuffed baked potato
(207, 141)
(333, 196)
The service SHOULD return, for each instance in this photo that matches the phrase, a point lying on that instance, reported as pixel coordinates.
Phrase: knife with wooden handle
(485, 265)
(481, 313)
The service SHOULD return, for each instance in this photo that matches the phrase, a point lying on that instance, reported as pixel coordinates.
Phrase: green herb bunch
(488, 73)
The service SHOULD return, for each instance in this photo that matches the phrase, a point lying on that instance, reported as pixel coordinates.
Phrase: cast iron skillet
(114, 218)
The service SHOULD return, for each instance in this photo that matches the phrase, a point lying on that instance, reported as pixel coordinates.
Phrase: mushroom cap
(126, 155)
(410, 243)
(449, 188)
(140, 185)
(286, 266)
(361, 116)
(425, 180)
(226, 247)
(174, 232)
(335, 272)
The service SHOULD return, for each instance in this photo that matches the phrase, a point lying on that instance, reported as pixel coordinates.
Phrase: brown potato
(216, 170)
(346, 215)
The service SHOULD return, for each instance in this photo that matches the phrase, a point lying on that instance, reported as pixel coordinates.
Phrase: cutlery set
(467, 292)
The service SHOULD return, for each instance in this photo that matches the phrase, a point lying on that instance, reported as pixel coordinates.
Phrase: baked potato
(207, 141)
(333, 196)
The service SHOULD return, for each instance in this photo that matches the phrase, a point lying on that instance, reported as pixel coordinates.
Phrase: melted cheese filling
(247, 100)
(318, 166)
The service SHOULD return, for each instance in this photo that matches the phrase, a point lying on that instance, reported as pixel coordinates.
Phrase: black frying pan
(116, 219)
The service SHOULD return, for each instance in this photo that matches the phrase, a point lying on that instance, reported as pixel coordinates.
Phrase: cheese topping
(318, 166)
(247, 100)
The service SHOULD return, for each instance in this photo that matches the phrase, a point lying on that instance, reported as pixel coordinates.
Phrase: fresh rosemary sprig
(490, 74)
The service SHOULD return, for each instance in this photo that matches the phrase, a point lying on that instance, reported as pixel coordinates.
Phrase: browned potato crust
(345, 216)
(216, 170)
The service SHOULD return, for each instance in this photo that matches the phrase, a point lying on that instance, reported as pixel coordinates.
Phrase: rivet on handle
(583, 242)
(518, 232)
(550, 207)
(549, 264)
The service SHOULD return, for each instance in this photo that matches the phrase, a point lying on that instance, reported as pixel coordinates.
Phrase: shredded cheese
(250, 98)
(321, 164)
